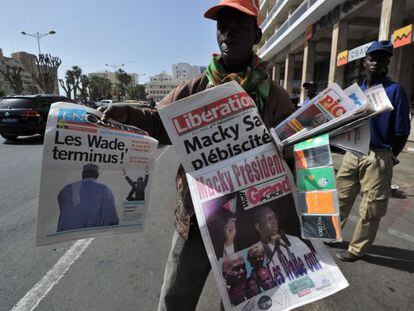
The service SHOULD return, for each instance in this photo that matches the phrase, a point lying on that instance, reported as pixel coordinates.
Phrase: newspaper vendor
(371, 175)
(237, 32)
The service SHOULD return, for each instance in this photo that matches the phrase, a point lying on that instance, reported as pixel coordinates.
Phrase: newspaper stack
(244, 199)
(335, 111)
(318, 198)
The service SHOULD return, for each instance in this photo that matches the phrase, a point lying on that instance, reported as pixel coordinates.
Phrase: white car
(105, 102)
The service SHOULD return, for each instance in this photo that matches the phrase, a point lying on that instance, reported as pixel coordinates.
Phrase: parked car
(23, 115)
(105, 102)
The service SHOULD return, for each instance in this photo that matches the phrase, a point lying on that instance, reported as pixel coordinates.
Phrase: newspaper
(355, 140)
(327, 108)
(244, 199)
(333, 111)
(95, 176)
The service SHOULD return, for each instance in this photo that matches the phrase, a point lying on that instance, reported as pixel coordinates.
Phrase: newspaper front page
(95, 176)
(244, 198)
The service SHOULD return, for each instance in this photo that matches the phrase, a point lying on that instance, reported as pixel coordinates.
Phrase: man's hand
(230, 231)
(119, 113)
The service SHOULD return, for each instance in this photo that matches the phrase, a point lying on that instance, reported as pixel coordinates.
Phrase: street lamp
(115, 66)
(139, 75)
(38, 35)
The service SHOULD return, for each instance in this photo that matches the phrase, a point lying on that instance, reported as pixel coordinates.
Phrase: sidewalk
(384, 279)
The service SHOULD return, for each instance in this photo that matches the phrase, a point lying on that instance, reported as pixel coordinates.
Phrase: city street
(125, 272)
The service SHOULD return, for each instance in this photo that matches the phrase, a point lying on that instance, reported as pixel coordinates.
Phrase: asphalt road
(125, 272)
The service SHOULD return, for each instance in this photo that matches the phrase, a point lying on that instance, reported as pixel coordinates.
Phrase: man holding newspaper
(371, 175)
(237, 31)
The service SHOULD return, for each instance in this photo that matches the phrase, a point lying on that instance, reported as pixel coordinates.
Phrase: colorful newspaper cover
(331, 103)
(95, 176)
(245, 207)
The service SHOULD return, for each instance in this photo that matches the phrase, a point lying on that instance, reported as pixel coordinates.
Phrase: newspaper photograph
(245, 205)
(95, 176)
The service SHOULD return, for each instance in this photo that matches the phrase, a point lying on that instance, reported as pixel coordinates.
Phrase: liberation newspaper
(244, 198)
(95, 176)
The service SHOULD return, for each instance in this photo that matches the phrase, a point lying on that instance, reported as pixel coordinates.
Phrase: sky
(147, 36)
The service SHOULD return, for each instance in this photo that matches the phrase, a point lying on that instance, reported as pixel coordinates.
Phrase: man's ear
(257, 226)
(258, 35)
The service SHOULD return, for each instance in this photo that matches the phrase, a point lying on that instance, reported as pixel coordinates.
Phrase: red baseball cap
(249, 7)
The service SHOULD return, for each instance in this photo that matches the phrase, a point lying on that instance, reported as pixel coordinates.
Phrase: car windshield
(17, 103)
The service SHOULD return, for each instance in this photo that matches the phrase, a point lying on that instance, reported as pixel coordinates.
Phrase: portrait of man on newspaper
(231, 226)
(86, 203)
(276, 258)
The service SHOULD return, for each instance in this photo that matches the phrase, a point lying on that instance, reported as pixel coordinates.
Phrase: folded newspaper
(335, 111)
(95, 176)
(244, 199)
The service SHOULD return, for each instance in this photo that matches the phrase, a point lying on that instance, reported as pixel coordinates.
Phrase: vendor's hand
(119, 113)
(288, 152)
(230, 231)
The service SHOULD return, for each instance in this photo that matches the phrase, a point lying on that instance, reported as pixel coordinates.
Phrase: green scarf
(253, 80)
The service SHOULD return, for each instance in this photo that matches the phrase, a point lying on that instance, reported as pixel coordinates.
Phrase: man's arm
(148, 119)
(399, 144)
(402, 120)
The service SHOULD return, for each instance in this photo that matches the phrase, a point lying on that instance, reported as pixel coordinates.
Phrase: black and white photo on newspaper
(95, 176)
(244, 198)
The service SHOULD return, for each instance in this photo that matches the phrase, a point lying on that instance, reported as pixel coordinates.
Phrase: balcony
(273, 13)
(295, 25)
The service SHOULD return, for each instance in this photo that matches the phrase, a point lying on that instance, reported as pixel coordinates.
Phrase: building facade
(112, 76)
(185, 71)
(160, 85)
(325, 40)
(26, 62)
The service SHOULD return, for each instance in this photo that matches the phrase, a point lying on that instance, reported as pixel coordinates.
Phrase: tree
(84, 87)
(77, 73)
(124, 81)
(99, 88)
(14, 77)
(47, 66)
(68, 84)
(2, 93)
(136, 92)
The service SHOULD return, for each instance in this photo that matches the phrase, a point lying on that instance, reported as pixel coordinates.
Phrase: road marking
(409, 149)
(392, 232)
(162, 153)
(32, 299)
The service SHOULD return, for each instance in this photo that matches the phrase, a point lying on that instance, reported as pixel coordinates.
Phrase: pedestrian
(237, 32)
(371, 175)
(310, 92)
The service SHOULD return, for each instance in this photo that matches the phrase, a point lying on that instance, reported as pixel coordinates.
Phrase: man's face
(236, 35)
(256, 259)
(265, 279)
(310, 92)
(234, 270)
(253, 286)
(375, 63)
(267, 225)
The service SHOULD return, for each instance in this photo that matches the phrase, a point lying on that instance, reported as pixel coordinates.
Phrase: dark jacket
(276, 109)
